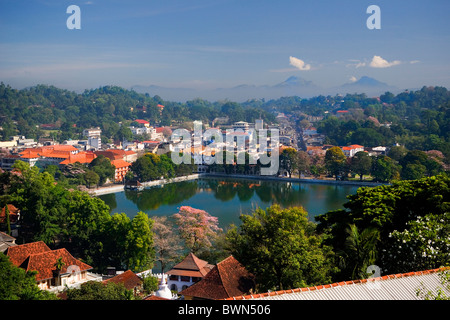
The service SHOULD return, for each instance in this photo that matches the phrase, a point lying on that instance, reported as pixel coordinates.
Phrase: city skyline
(205, 45)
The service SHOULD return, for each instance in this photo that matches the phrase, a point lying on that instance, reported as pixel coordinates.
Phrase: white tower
(164, 291)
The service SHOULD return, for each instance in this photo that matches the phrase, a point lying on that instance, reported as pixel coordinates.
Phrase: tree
(103, 168)
(335, 161)
(384, 169)
(18, 284)
(140, 251)
(360, 251)
(361, 164)
(413, 171)
(197, 228)
(167, 242)
(288, 160)
(153, 167)
(281, 248)
(303, 162)
(94, 290)
(92, 178)
(8, 220)
(411, 216)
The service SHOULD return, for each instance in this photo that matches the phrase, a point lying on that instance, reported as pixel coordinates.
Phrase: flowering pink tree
(197, 227)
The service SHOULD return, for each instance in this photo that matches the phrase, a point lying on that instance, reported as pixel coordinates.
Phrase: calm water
(228, 198)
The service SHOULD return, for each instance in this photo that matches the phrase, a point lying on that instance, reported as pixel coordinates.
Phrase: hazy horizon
(201, 46)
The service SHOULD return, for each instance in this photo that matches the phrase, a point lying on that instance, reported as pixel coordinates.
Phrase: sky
(206, 44)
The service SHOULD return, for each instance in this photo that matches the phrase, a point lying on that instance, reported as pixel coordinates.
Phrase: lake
(227, 198)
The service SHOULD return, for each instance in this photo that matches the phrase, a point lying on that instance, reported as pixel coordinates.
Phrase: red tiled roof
(81, 157)
(128, 278)
(142, 121)
(191, 266)
(39, 257)
(44, 263)
(120, 163)
(13, 214)
(153, 297)
(227, 279)
(18, 254)
(355, 146)
(53, 151)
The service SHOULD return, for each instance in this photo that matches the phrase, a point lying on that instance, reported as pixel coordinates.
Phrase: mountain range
(293, 86)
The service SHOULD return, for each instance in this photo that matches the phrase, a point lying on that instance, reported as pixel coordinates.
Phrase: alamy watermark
(74, 20)
(261, 145)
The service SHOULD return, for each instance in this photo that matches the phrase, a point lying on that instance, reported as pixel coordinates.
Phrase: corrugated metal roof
(392, 287)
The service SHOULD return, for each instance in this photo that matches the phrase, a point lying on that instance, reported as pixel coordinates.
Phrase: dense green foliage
(94, 290)
(418, 120)
(412, 218)
(105, 107)
(74, 220)
(18, 284)
(281, 248)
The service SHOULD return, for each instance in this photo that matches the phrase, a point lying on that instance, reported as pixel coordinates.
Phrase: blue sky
(223, 43)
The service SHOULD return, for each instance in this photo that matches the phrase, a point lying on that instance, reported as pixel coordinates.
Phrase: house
(145, 123)
(122, 167)
(187, 272)
(6, 241)
(94, 137)
(14, 216)
(118, 154)
(351, 150)
(377, 151)
(152, 145)
(81, 157)
(7, 161)
(55, 154)
(130, 281)
(402, 286)
(37, 256)
(227, 279)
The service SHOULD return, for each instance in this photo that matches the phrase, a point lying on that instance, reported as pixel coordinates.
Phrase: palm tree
(58, 267)
(360, 250)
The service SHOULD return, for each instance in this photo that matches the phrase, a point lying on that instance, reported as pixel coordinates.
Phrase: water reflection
(227, 198)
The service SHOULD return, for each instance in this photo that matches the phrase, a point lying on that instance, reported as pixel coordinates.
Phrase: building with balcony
(187, 272)
(37, 256)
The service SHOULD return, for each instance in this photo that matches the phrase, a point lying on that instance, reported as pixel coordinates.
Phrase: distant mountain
(169, 94)
(367, 85)
(292, 86)
(295, 82)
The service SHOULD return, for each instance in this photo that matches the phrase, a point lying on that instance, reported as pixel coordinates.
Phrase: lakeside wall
(298, 180)
(121, 187)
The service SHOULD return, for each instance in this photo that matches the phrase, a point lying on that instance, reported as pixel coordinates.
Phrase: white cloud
(414, 61)
(356, 64)
(353, 79)
(379, 62)
(299, 64)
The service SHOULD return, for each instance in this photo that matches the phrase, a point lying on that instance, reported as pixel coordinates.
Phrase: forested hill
(418, 118)
(22, 110)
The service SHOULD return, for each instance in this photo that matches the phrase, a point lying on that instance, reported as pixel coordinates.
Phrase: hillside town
(76, 245)
(238, 137)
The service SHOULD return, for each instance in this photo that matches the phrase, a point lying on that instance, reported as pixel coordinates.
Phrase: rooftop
(191, 266)
(401, 286)
(128, 278)
(39, 257)
(227, 279)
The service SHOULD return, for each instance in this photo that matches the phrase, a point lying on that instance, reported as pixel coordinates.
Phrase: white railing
(75, 285)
